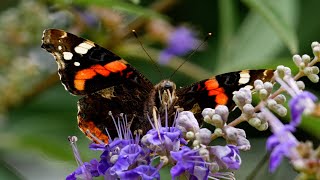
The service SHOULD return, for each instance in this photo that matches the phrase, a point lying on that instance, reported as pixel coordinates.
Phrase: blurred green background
(37, 114)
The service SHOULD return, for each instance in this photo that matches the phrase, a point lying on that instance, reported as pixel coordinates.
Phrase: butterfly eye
(167, 85)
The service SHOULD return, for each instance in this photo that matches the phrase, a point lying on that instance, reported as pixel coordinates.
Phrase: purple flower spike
(300, 103)
(181, 41)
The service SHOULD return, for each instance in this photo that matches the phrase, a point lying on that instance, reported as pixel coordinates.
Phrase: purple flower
(281, 143)
(141, 172)
(181, 41)
(86, 171)
(226, 156)
(300, 103)
(188, 160)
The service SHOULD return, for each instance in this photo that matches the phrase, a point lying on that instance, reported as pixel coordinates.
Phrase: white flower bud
(315, 69)
(268, 86)
(297, 59)
(254, 122)
(208, 112)
(313, 78)
(187, 122)
(271, 103)
(307, 71)
(218, 132)
(263, 126)
(190, 135)
(314, 44)
(316, 51)
(280, 110)
(248, 109)
(204, 136)
(223, 111)
(263, 94)
(258, 84)
(280, 99)
(306, 58)
(300, 85)
(217, 121)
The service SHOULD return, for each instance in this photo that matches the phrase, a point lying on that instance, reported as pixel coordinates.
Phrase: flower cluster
(132, 157)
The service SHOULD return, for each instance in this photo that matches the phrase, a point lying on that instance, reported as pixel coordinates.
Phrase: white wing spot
(67, 55)
(244, 77)
(83, 48)
(63, 35)
(59, 48)
(76, 63)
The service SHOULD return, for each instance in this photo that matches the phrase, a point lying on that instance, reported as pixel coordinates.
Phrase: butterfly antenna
(150, 58)
(195, 50)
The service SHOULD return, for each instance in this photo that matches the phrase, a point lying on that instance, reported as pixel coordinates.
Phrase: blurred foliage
(37, 114)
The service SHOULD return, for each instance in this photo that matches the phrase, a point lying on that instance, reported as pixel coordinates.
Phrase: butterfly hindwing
(218, 90)
(94, 109)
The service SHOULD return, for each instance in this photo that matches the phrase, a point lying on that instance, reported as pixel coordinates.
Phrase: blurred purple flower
(180, 42)
(300, 103)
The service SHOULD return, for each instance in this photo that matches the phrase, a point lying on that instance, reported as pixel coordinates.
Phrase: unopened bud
(254, 122)
(280, 99)
(306, 58)
(313, 78)
(300, 84)
(218, 132)
(297, 59)
(263, 126)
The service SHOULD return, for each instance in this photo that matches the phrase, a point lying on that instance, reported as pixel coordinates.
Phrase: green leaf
(256, 43)
(270, 14)
(118, 5)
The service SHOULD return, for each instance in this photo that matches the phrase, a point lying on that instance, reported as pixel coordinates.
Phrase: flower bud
(254, 122)
(300, 85)
(313, 78)
(306, 58)
(223, 111)
(297, 59)
(263, 94)
(280, 99)
(208, 112)
(204, 136)
(248, 109)
(316, 51)
(268, 86)
(271, 103)
(190, 135)
(218, 132)
(280, 110)
(314, 44)
(315, 70)
(307, 71)
(258, 84)
(263, 126)
(187, 122)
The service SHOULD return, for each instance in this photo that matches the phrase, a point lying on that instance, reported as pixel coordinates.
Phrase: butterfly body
(109, 84)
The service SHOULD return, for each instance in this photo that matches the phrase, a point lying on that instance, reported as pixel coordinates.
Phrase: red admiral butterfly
(109, 83)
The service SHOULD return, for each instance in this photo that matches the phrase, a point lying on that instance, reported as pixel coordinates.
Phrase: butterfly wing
(108, 82)
(218, 90)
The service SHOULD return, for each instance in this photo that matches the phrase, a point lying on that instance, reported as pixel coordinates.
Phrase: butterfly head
(167, 92)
